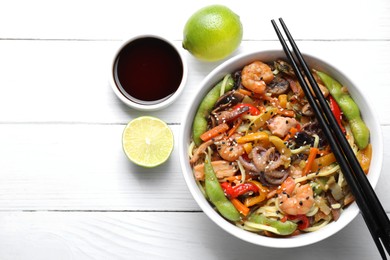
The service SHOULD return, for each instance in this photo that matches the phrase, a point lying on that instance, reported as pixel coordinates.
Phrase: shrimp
(229, 149)
(256, 76)
(295, 171)
(297, 202)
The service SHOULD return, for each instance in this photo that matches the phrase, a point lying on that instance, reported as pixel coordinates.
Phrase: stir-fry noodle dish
(259, 155)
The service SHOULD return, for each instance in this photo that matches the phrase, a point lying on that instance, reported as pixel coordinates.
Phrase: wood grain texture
(83, 167)
(154, 235)
(67, 191)
(89, 19)
(67, 81)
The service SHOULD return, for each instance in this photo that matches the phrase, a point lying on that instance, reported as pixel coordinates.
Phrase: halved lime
(147, 141)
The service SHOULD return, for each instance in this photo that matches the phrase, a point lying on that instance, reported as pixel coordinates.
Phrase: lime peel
(212, 33)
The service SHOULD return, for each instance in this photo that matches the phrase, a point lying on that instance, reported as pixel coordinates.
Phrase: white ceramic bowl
(148, 106)
(347, 215)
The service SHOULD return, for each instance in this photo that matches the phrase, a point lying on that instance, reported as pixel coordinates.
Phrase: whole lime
(212, 33)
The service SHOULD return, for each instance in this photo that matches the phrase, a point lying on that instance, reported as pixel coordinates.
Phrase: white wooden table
(67, 191)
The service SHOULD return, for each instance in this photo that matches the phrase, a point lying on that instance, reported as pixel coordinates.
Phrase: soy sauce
(148, 70)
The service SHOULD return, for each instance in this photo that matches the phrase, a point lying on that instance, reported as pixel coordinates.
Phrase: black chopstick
(371, 196)
(372, 211)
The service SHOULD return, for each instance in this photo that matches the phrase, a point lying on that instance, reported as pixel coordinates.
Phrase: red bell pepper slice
(254, 111)
(238, 190)
(303, 221)
(336, 112)
(227, 188)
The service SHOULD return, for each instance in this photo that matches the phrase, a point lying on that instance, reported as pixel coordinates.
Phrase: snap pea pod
(216, 195)
(282, 228)
(199, 126)
(350, 109)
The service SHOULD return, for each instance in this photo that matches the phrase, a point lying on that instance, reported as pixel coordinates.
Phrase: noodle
(274, 154)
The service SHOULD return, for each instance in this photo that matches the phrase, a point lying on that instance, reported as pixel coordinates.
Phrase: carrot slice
(286, 112)
(245, 92)
(312, 155)
(240, 207)
(233, 178)
(234, 128)
(213, 132)
(291, 133)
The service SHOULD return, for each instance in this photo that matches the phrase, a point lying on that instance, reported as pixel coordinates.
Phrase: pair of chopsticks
(371, 209)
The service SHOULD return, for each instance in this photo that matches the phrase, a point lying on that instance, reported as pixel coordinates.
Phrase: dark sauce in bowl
(148, 70)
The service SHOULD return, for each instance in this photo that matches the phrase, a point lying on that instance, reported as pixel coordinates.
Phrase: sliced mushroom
(284, 67)
(307, 110)
(229, 115)
(229, 99)
(313, 128)
(302, 138)
(278, 86)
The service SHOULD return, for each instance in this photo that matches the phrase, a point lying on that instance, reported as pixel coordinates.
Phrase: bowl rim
(237, 62)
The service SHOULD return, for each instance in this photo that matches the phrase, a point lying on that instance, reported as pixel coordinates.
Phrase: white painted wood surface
(67, 190)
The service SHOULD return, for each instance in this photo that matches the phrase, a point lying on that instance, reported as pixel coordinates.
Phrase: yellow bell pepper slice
(263, 192)
(248, 148)
(281, 147)
(263, 117)
(364, 158)
(322, 161)
(282, 100)
(252, 137)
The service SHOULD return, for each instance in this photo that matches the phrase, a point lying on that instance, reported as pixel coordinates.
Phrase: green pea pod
(283, 228)
(199, 126)
(216, 195)
(350, 109)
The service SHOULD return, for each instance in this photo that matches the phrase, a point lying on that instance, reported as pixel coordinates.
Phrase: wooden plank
(73, 78)
(117, 20)
(154, 235)
(83, 167)
(67, 190)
